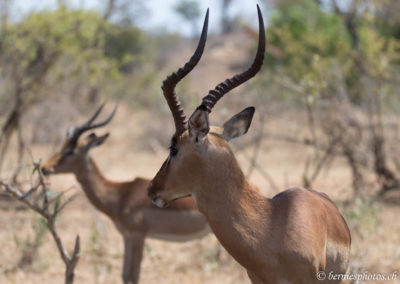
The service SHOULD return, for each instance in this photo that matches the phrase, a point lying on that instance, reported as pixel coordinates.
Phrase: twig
(263, 172)
(321, 161)
(50, 216)
(257, 147)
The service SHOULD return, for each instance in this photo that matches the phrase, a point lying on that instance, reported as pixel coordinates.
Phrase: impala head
(200, 152)
(75, 148)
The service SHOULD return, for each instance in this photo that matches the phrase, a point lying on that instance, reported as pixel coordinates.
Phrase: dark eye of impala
(68, 152)
(173, 151)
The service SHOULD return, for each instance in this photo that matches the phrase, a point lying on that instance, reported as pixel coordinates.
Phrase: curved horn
(96, 114)
(172, 80)
(106, 121)
(221, 89)
(75, 132)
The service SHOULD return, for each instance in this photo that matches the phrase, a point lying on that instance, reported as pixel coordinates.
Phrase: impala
(125, 203)
(285, 239)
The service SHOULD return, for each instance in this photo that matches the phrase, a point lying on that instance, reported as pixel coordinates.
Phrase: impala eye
(68, 152)
(173, 151)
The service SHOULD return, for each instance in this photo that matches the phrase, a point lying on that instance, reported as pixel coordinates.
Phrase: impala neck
(101, 192)
(236, 212)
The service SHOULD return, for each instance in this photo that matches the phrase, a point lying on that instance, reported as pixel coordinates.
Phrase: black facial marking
(173, 149)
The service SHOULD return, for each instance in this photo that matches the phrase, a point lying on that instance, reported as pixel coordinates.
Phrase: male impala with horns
(292, 237)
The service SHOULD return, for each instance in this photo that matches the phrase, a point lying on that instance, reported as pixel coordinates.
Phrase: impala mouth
(183, 196)
(157, 201)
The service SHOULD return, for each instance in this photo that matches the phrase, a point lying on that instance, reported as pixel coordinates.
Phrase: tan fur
(284, 239)
(127, 205)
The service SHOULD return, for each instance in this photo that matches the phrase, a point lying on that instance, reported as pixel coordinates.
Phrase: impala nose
(159, 202)
(154, 196)
(45, 171)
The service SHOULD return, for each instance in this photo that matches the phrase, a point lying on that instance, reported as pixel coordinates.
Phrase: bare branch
(109, 9)
(69, 273)
(261, 170)
(49, 215)
(32, 190)
(320, 163)
(17, 194)
(257, 146)
(69, 200)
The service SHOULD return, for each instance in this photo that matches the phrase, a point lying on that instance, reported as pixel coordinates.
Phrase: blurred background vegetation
(329, 87)
(338, 61)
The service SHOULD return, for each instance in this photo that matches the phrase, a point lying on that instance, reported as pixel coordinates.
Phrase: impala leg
(132, 258)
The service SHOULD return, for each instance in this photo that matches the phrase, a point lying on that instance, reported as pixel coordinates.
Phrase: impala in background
(285, 239)
(125, 203)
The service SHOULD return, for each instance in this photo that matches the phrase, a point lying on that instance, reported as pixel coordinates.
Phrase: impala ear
(199, 124)
(238, 124)
(92, 140)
